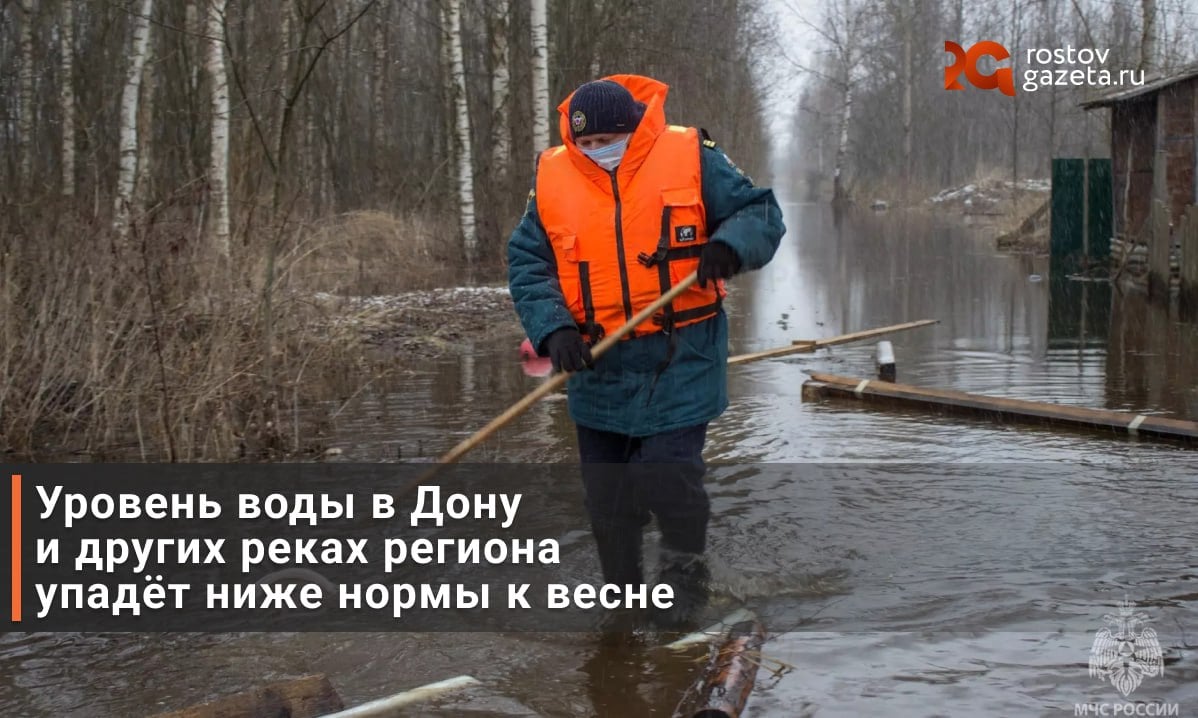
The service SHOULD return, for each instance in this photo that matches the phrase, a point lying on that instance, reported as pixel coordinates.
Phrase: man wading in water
(624, 209)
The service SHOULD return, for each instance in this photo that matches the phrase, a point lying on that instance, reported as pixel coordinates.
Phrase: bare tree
(842, 27)
(1148, 41)
(905, 131)
(25, 128)
(67, 96)
(130, 100)
(842, 31)
(463, 143)
(903, 14)
(501, 149)
(379, 89)
(145, 123)
(540, 76)
(218, 163)
(344, 157)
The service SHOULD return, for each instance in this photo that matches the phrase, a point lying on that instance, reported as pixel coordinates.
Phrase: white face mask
(608, 157)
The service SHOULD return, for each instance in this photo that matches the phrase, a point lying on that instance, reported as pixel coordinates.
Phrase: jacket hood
(644, 89)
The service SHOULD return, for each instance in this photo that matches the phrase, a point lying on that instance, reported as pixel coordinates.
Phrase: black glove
(567, 350)
(718, 261)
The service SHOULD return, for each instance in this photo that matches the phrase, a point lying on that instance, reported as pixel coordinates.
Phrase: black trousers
(628, 480)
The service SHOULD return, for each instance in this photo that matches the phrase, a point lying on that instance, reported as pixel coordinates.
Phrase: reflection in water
(1152, 363)
(1006, 328)
(1079, 313)
(863, 574)
(624, 679)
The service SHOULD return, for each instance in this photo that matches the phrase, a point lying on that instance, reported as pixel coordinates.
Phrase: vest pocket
(683, 231)
(568, 274)
(686, 225)
(570, 247)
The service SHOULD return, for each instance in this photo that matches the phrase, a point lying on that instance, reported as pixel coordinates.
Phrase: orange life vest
(621, 242)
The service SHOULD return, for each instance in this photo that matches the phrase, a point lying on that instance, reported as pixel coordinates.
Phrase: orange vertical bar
(16, 548)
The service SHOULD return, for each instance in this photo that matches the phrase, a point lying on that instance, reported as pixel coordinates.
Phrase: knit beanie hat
(603, 106)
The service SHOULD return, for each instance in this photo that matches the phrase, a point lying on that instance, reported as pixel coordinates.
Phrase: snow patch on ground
(988, 192)
(465, 298)
(427, 322)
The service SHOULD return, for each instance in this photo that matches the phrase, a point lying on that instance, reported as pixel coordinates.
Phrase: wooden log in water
(728, 680)
(307, 697)
(999, 408)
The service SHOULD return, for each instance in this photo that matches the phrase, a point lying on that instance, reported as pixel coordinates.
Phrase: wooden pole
(803, 346)
(557, 380)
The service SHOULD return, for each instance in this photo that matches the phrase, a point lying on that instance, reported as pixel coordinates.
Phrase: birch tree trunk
(839, 195)
(463, 145)
(218, 161)
(378, 91)
(908, 19)
(279, 111)
(340, 125)
(25, 83)
(902, 14)
(130, 97)
(448, 116)
(1148, 39)
(501, 149)
(195, 27)
(540, 76)
(597, 11)
(145, 125)
(67, 97)
(1016, 19)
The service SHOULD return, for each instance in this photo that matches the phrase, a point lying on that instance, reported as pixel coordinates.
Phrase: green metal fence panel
(1082, 213)
(1066, 227)
(1102, 210)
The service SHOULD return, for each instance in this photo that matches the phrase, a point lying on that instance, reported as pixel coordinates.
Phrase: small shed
(1154, 152)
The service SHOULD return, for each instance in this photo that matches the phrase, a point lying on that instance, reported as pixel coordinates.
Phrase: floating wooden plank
(728, 681)
(999, 408)
(806, 346)
(307, 697)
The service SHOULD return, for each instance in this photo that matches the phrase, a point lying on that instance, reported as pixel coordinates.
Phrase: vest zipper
(615, 188)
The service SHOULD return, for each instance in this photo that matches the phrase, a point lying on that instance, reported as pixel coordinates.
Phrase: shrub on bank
(157, 348)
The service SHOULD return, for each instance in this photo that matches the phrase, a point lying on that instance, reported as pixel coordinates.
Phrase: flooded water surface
(903, 563)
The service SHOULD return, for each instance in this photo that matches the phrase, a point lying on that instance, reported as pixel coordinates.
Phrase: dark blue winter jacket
(620, 393)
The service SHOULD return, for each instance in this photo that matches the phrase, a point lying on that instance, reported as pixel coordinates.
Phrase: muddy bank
(427, 323)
